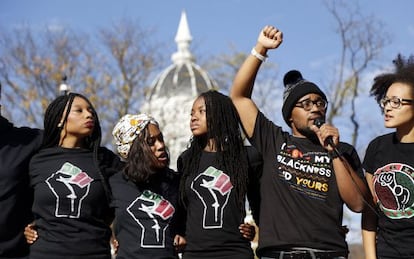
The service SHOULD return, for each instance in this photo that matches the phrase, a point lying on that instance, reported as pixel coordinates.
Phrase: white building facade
(174, 91)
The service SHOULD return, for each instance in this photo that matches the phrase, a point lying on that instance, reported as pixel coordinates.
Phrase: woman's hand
(248, 231)
(114, 245)
(30, 233)
(179, 243)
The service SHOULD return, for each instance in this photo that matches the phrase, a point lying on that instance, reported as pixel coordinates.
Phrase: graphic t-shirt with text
(300, 201)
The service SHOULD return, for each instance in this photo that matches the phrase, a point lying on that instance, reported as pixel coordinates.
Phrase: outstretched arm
(241, 91)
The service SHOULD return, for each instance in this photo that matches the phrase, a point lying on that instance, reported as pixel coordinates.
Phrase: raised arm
(241, 91)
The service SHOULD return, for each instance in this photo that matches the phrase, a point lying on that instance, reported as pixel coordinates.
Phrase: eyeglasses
(307, 104)
(395, 102)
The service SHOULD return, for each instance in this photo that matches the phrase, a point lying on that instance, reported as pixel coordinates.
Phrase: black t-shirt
(300, 202)
(70, 205)
(17, 145)
(392, 165)
(255, 173)
(213, 214)
(144, 225)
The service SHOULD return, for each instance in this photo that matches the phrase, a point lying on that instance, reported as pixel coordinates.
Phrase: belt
(303, 254)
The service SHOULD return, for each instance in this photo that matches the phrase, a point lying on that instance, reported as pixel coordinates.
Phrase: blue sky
(310, 43)
(215, 24)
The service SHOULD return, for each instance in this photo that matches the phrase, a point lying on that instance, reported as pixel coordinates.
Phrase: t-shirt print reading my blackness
(307, 172)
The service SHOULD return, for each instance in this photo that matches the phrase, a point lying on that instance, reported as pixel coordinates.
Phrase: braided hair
(56, 116)
(54, 121)
(404, 73)
(223, 127)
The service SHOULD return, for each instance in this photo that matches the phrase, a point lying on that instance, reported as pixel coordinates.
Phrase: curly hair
(403, 73)
(139, 166)
(223, 127)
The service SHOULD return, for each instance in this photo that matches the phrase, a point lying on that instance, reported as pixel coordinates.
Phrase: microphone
(318, 122)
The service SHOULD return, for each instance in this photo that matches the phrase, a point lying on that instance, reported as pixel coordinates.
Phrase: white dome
(174, 91)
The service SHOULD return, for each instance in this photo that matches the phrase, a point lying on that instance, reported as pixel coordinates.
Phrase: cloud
(55, 25)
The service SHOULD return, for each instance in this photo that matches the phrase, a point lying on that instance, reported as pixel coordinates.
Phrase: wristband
(258, 55)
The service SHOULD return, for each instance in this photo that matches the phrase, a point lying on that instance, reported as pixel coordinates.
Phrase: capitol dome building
(173, 92)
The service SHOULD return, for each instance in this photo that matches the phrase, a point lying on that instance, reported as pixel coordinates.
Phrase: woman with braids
(214, 182)
(388, 232)
(69, 176)
(145, 194)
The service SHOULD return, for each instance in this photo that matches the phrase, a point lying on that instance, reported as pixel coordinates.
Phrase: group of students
(84, 195)
(83, 192)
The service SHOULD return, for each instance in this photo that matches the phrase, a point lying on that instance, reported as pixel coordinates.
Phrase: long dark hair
(403, 73)
(223, 127)
(139, 166)
(55, 118)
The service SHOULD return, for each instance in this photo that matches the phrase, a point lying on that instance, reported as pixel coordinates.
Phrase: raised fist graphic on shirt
(213, 187)
(152, 213)
(394, 187)
(70, 185)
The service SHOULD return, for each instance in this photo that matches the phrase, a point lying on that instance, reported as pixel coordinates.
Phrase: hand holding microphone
(327, 136)
(318, 122)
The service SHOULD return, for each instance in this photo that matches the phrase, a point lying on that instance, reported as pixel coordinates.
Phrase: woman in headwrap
(145, 195)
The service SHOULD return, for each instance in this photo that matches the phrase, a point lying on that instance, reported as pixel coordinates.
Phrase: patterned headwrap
(128, 128)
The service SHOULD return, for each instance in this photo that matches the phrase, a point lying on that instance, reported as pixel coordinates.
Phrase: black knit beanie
(296, 87)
